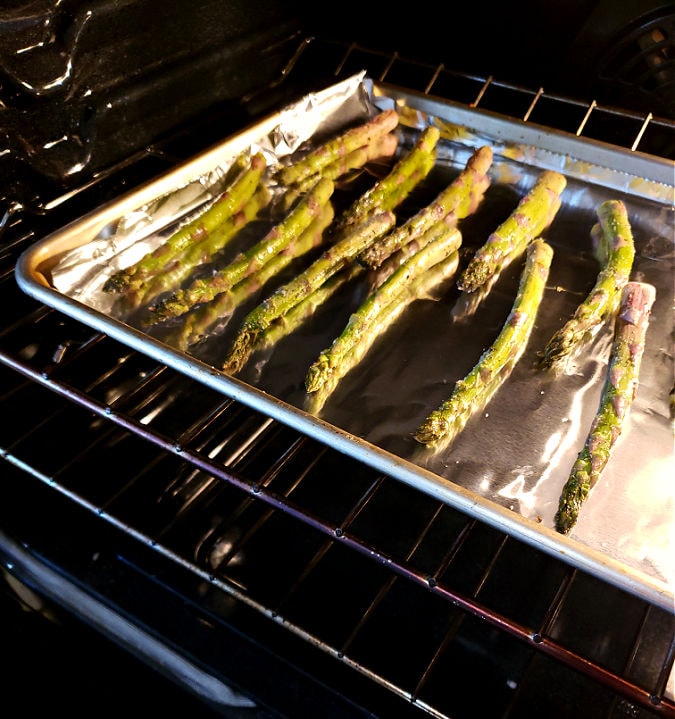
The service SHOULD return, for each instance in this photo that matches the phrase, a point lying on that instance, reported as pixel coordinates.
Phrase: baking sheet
(508, 466)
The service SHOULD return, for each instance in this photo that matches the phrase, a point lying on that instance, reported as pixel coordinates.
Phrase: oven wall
(83, 84)
(614, 52)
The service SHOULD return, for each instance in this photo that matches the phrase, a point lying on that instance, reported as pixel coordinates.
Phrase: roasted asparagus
(371, 318)
(532, 215)
(198, 323)
(331, 261)
(614, 244)
(390, 191)
(229, 203)
(618, 393)
(278, 238)
(459, 199)
(333, 149)
(474, 391)
(378, 149)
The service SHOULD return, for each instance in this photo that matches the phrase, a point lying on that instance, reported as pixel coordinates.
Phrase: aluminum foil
(512, 459)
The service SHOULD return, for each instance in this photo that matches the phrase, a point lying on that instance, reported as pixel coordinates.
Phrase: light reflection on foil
(517, 489)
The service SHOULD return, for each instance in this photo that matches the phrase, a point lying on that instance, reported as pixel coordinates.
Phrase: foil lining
(518, 451)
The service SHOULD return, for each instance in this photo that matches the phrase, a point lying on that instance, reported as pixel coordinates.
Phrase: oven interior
(259, 570)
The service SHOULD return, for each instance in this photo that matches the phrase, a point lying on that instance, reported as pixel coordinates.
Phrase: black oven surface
(166, 548)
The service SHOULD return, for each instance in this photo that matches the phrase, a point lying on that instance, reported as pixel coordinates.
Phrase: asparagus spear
(618, 392)
(180, 267)
(533, 214)
(338, 147)
(474, 391)
(199, 322)
(613, 242)
(298, 314)
(292, 319)
(380, 147)
(390, 191)
(397, 258)
(459, 199)
(418, 288)
(204, 289)
(468, 303)
(231, 201)
(331, 261)
(370, 320)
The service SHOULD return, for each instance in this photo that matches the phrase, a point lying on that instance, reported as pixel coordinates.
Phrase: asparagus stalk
(397, 258)
(230, 202)
(390, 191)
(418, 288)
(198, 323)
(384, 146)
(298, 314)
(468, 303)
(618, 393)
(331, 261)
(380, 147)
(295, 317)
(370, 319)
(337, 147)
(474, 391)
(459, 199)
(613, 240)
(532, 215)
(204, 289)
(180, 267)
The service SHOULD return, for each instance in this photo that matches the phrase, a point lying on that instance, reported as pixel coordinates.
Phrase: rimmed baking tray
(508, 466)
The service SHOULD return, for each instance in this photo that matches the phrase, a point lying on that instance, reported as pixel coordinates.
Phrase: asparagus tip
(317, 374)
(434, 427)
(474, 276)
(165, 309)
(574, 494)
(119, 282)
(239, 352)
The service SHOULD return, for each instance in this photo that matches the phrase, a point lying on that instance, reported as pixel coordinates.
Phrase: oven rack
(253, 510)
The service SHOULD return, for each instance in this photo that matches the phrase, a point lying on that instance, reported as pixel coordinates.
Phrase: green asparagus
(369, 320)
(180, 267)
(379, 148)
(297, 315)
(419, 288)
(532, 215)
(230, 202)
(618, 393)
(459, 199)
(204, 289)
(391, 190)
(613, 241)
(474, 391)
(331, 261)
(468, 303)
(337, 147)
(200, 322)
(396, 259)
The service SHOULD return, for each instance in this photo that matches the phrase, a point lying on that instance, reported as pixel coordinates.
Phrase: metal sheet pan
(509, 464)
